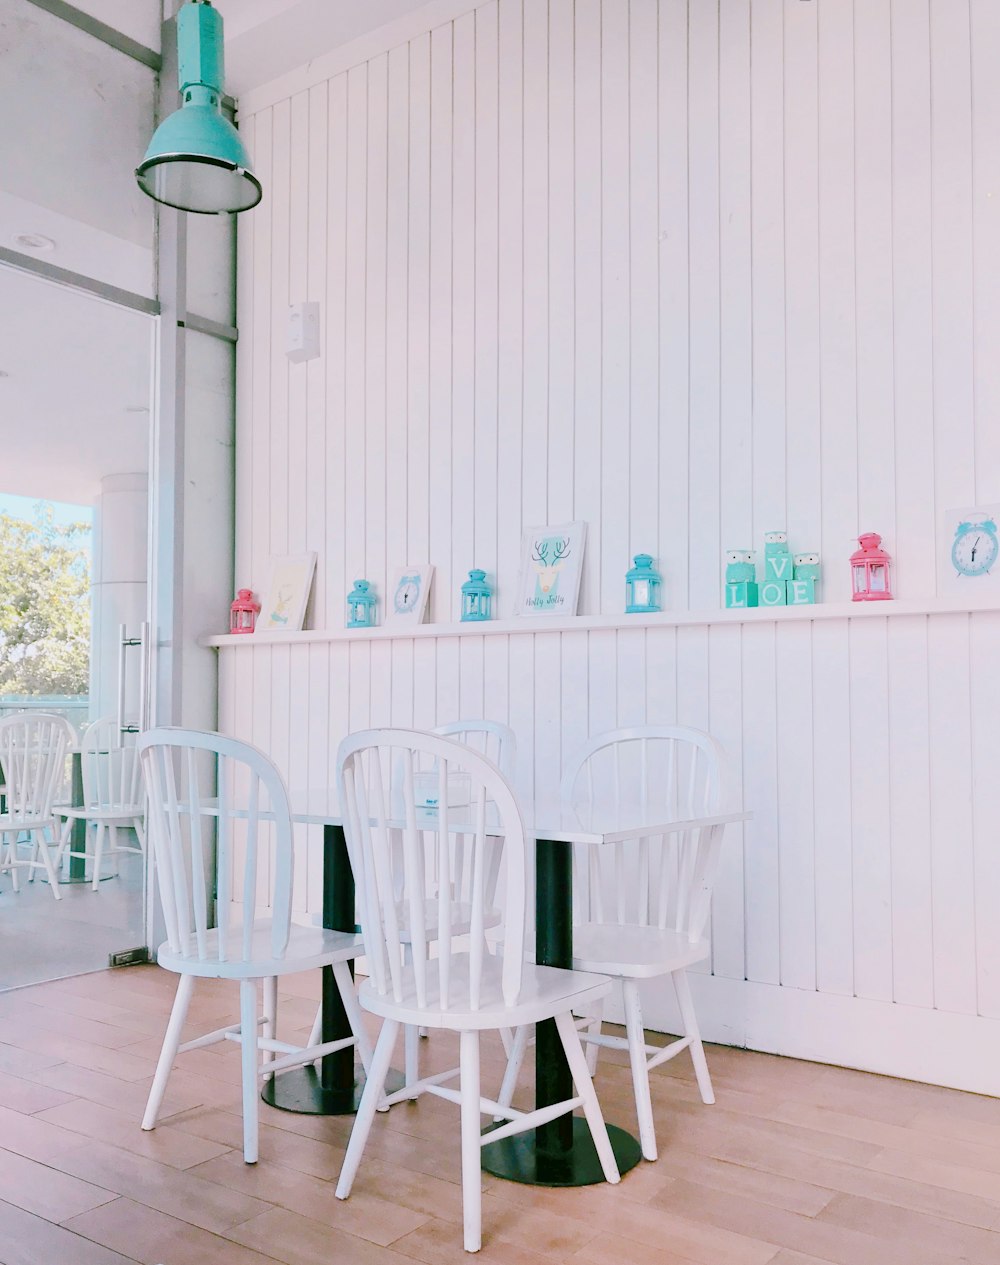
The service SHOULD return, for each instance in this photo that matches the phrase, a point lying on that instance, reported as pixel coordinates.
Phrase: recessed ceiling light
(34, 241)
(136, 408)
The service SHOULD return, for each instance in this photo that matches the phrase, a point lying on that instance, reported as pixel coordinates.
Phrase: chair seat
(12, 821)
(545, 991)
(308, 947)
(631, 950)
(109, 814)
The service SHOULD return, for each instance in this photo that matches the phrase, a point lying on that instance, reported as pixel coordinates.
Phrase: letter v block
(741, 593)
(778, 566)
(772, 593)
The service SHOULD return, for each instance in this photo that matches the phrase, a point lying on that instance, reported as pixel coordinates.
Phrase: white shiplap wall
(689, 270)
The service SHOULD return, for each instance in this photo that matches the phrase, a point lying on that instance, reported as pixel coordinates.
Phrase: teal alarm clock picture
(406, 600)
(975, 547)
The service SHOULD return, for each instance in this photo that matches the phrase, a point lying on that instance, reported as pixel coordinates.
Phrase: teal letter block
(740, 593)
(801, 592)
(772, 593)
(778, 566)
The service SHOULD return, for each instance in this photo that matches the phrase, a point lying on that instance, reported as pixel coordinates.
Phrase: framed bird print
(407, 595)
(284, 606)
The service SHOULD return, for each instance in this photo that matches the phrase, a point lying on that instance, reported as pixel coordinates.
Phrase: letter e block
(801, 592)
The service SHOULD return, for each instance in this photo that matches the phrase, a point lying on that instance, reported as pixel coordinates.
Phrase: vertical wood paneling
(837, 297)
(484, 539)
(872, 824)
(912, 282)
(796, 845)
(735, 282)
(510, 309)
(561, 313)
(831, 740)
(440, 402)
(909, 790)
(952, 844)
(317, 236)
(615, 414)
(334, 318)
(463, 327)
(704, 304)
(588, 296)
(535, 212)
(397, 393)
(801, 127)
(873, 228)
(689, 272)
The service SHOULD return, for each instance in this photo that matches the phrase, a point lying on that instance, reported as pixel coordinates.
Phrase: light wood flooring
(796, 1163)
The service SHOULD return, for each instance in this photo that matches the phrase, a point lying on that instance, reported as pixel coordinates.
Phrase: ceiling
(268, 38)
(75, 365)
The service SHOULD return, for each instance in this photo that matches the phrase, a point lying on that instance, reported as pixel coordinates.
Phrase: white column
(118, 589)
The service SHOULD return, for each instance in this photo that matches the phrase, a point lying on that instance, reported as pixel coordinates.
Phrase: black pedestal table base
(302, 1091)
(335, 1088)
(560, 1153)
(518, 1159)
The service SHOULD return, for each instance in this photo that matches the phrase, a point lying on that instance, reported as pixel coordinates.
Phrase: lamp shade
(196, 160)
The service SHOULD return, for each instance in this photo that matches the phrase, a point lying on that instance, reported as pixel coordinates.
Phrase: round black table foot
(300, 1090)
(517, 1159)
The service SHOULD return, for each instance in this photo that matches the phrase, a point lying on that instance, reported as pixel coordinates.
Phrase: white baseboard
(935, 1046)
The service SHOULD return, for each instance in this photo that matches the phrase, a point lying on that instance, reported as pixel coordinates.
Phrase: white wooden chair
(33, 751)
(498, 743)
(205, 789)
(642, 907)
(468, 992)
(112, 795)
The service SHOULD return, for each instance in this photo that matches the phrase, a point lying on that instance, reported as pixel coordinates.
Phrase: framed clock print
(407, 595)
(970, 551)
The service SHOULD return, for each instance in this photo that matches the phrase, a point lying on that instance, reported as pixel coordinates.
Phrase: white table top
(319, 807)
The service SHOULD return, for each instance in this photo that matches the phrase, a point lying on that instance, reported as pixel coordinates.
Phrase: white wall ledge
(593, 623)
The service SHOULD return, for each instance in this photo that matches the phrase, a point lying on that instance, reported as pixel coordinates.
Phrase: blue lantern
(642, 587)
(477, 597)
(361, 606)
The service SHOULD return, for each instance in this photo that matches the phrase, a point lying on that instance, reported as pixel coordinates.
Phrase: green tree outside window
(44, 605)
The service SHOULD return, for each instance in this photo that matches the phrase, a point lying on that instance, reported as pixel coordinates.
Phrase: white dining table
(560, 1153)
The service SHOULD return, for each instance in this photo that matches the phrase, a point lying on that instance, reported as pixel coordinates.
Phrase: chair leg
(640, 1072)
(248, 1046)
(411, 1053)
(345, 985)
(585, 1089)
(515, 1058)
(11, 862)
(270, 1015)
(686, 1003)
(50, 869)
(374, 1087)
(64, 837)
(472, 1182)
(98, 854)
(35, 844)
(168, 1051)
(594, 1028)
(316, 1032)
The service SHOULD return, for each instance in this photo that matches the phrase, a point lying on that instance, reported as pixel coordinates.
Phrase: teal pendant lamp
(196, 160)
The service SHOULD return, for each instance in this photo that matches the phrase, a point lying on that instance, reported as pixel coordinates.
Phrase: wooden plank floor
(796, 1163)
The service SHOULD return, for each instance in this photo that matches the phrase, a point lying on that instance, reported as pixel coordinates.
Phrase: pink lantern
(870, 569)
(243, 612)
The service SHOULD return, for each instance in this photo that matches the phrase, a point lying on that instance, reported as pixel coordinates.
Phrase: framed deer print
(551, 569)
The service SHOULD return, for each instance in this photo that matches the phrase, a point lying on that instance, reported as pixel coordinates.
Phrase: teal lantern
(642, 587)
(196, 160)
(477, 597)
(361, 604)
